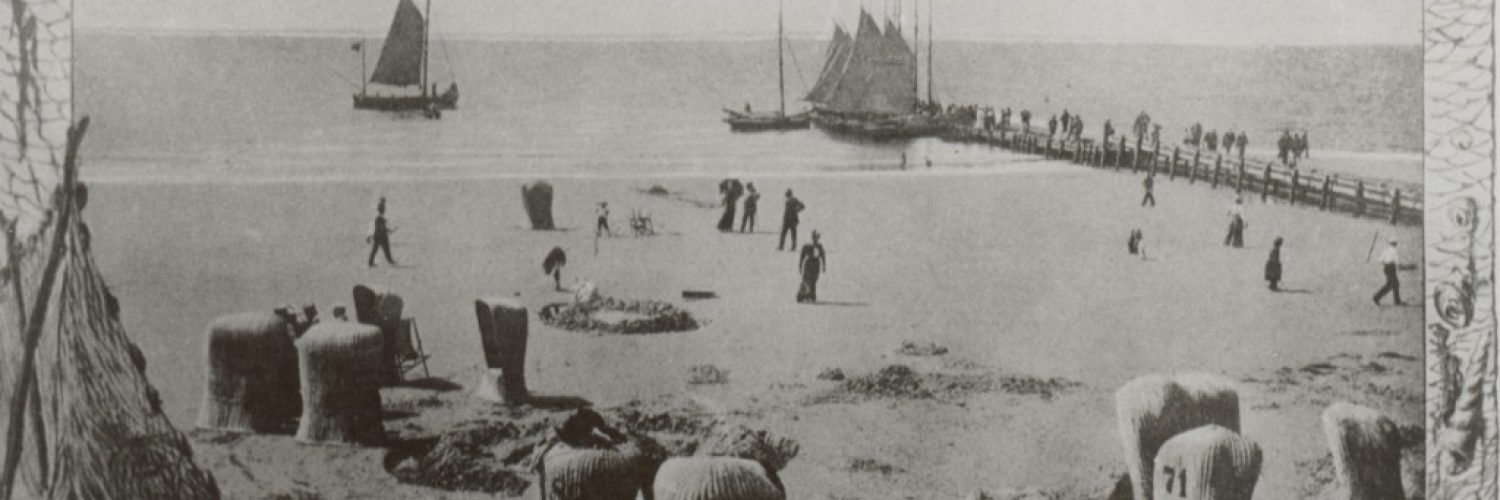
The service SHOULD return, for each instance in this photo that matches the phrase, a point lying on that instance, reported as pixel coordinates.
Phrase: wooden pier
(1267, 178)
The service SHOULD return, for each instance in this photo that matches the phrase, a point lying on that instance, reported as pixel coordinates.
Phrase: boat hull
(740, 122)
(445, 101)
(879, 128)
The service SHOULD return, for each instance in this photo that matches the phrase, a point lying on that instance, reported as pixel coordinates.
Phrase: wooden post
(1218, 163)
(1194, 172)
(1153, 408)
(1207, 463)
(1296, 176)
(1155, 155)
(1359, 199)
(1327, 185)
(1265, 184)
(341, 365)
(1120, 154)
(1395, 206)
(1172, 165)
(1366, 448)
(502, 334)
(1239, 181)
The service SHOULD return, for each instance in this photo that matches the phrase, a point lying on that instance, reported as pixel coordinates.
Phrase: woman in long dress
(1273, 265)
(812, 264)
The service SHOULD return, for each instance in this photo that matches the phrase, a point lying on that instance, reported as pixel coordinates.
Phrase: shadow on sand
(838, 303)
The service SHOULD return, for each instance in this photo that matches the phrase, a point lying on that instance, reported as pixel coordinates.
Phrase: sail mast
(916, 47)
(780, 66)
(426, 25)
(364, 83)
(929, 52)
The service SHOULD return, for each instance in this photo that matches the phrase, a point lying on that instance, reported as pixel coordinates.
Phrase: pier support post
(1327, 181)
(1218, 163)
(1359, 199)
(1395, 206)
(1366, 448)
(1155, 154)
(1265, 183)
(1239, 180)
(1193, 173)
(1296, 178)
(502, 334)
(1172, 165)
(1120, 154)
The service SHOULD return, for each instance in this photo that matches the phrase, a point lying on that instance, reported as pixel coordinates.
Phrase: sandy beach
(1018, 272)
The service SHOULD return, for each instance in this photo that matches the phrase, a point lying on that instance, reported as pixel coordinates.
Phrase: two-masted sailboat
(403, 64)
(868, 85)
(748, 121)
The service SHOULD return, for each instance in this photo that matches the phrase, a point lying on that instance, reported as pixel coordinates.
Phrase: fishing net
(92, 426)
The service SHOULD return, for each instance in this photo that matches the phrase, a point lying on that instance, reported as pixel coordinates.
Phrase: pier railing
(1266, 178)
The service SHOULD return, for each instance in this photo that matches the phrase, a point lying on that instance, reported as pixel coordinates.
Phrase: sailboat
(868, 86)
(747, 121)
(403, 63)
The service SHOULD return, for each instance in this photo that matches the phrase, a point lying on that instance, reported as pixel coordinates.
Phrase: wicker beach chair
(641, 223)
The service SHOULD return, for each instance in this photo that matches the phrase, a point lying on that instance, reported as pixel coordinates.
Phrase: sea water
(251, 108)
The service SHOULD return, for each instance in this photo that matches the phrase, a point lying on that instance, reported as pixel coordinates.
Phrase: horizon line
(697, 37)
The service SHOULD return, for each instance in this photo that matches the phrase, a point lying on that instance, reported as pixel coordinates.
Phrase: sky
(1234, 22)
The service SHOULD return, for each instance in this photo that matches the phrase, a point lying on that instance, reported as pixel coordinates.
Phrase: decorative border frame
(1463, 442)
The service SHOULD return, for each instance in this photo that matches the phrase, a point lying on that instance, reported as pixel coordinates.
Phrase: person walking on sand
(553, 265)
(602, 227)
(1389, 259)
(1273, 265)
(752, 202)
(1236, 235)
(789, 220)
(812, 264)
(1150, 180)
(380, 236)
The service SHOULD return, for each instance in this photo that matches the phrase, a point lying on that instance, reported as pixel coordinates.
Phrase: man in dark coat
(789, 220)
(752, 203)
(380, 236)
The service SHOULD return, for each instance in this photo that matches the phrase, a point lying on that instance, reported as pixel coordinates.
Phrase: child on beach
(1273, 265)
(1236, 235)
(603, 226)
(1136, 244)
